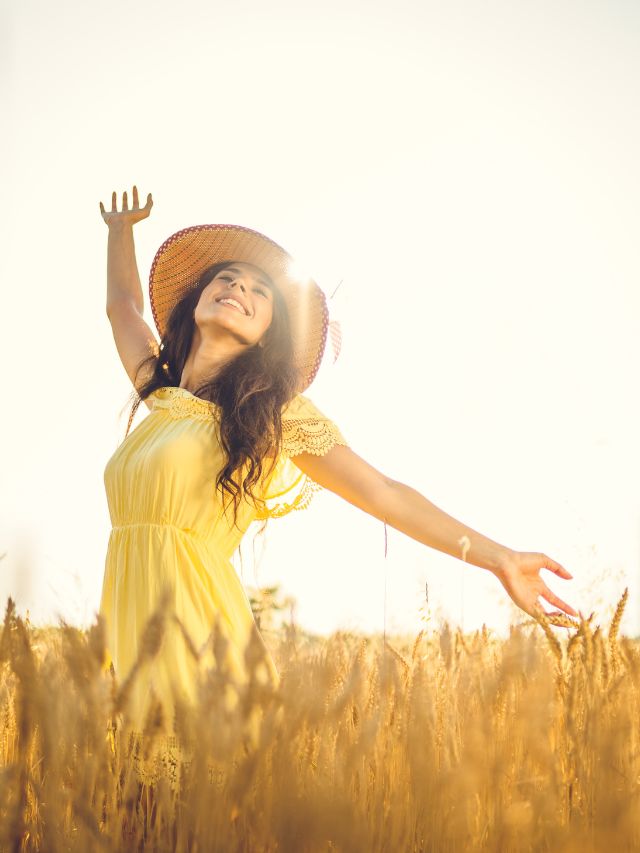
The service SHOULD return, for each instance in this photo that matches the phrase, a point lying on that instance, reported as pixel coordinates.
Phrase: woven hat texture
(184, 256)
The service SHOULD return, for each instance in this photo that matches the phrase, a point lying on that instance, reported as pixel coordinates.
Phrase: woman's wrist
(479, 550)
(503, 561)
(118, 226)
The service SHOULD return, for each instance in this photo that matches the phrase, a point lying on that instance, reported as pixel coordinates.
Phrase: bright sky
(468, 171)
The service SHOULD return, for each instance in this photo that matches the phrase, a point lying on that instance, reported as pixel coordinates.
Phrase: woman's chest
(166, 449)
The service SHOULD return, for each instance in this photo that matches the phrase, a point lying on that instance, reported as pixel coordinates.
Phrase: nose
(240, 283)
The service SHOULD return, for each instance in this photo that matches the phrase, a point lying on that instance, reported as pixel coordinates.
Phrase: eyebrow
(261, 280)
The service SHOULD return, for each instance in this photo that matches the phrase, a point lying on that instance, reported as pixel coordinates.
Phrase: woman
(230, 439)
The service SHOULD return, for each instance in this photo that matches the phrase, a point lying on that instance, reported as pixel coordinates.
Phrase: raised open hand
(520, 576)
(126, 216)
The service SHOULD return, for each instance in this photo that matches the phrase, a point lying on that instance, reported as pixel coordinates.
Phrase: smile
(233, 304)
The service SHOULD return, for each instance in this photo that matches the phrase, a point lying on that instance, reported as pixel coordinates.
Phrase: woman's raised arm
(123, 279)
(346, 474)
(134, 339)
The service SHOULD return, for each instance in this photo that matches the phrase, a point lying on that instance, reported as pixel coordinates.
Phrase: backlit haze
(466, 173)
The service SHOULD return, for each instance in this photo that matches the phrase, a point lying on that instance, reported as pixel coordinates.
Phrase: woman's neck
(206, 359)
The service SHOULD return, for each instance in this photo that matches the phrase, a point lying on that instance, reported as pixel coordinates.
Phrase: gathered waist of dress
(189, 531)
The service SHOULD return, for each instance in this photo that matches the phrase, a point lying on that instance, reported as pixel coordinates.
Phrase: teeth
(234, 303)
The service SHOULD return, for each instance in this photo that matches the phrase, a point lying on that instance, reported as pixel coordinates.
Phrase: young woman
(229, 439)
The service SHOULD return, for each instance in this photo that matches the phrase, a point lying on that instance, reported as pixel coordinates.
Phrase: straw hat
(183, 257)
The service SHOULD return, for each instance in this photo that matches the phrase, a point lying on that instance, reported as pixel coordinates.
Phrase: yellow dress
(169, 532)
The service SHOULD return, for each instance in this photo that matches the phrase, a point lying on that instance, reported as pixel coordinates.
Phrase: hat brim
(183, 257)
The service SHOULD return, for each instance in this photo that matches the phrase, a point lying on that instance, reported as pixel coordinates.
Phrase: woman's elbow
(383, 499)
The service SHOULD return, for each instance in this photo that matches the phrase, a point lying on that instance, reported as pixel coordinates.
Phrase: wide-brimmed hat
(183, 257)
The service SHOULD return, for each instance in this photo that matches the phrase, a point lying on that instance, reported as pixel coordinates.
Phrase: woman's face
(239, 300)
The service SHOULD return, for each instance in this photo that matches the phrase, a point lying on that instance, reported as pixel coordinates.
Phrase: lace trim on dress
(313, 434)
(309, 435)
(301, 501)
(180, 403)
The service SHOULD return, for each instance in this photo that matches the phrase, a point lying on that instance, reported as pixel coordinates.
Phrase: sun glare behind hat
(183, 257)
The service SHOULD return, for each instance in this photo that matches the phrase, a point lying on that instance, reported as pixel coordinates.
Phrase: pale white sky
(469, 171)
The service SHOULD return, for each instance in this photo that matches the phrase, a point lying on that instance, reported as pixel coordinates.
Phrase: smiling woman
(230, 438)
(240, 289)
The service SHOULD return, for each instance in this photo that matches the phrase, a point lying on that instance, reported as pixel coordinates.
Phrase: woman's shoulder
(306, 429)
(304, 408)
(300, 407)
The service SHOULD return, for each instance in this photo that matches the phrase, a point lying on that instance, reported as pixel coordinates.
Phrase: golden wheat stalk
(617, 616)
(559, 620)
(543, 620)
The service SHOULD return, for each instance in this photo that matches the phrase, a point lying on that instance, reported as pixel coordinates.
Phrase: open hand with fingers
(520, 576)
(126, 216)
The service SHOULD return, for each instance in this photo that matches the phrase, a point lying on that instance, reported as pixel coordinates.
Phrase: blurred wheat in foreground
(446, 742)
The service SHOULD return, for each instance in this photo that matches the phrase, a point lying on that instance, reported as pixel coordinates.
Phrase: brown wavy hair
(250, 390)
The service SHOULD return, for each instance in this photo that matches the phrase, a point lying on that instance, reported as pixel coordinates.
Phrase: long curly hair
(250, 390)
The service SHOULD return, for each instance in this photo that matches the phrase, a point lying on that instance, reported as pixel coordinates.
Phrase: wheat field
(437, 742)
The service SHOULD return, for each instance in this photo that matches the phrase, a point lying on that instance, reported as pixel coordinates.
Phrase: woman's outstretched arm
(344, 472)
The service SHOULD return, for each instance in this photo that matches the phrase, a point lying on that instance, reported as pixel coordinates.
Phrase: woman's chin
(214, 329)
